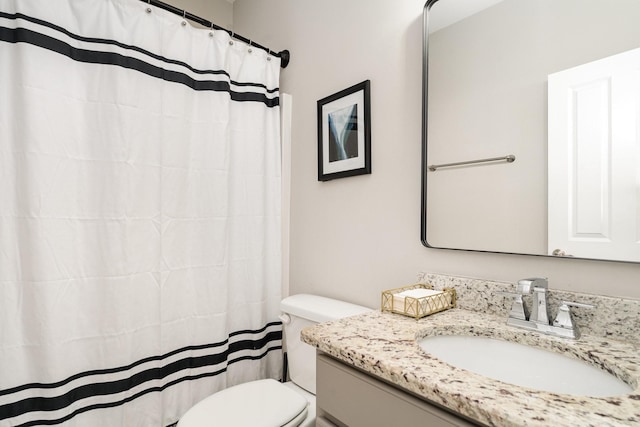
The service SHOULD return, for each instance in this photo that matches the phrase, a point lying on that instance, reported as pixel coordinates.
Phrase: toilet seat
(262, 403)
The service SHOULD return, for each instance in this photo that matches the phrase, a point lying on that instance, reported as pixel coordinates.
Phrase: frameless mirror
(531, 127)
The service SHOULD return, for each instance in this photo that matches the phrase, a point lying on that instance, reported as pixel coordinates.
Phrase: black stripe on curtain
(23, 35)
(124, 46)
(257, 341)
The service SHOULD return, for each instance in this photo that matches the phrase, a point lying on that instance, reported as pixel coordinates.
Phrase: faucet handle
(518, 309)
(563, 318)
(577, 304)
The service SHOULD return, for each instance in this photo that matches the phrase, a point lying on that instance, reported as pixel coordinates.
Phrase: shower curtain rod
(283, 55)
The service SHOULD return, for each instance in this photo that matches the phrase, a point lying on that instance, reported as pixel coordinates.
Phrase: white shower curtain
(140, 265)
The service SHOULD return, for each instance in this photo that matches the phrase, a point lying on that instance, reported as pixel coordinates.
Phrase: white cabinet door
(594, 159)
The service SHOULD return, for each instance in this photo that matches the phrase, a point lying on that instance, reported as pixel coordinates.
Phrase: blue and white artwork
(343, 133)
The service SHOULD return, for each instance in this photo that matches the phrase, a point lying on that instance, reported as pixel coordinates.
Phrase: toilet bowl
(269, 403)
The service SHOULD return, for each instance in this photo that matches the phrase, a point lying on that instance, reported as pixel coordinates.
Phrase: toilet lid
(263, 403)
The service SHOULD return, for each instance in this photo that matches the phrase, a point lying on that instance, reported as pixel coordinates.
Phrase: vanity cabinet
(349, 397)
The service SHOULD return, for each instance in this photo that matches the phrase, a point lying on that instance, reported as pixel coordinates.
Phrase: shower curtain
(140, 265)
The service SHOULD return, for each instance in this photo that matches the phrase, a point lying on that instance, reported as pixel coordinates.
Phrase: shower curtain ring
(250, 50)
(231, 41)
(211, 32)
(184, 17)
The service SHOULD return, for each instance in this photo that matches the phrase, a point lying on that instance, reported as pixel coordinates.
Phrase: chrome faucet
(538, 319)
(539, 287)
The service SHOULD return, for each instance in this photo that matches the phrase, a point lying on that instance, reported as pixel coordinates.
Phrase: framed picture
(344, 133)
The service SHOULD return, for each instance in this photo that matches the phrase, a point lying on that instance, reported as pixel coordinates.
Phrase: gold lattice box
(418, 300)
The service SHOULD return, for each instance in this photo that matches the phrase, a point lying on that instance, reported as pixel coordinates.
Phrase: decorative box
(418, 300)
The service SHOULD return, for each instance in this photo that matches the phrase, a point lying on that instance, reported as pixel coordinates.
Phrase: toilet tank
(304, 310)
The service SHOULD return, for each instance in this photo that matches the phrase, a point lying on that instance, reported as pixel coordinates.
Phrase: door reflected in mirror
(556, 84)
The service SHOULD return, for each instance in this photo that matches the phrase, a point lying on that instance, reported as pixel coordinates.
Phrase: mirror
(548, 91)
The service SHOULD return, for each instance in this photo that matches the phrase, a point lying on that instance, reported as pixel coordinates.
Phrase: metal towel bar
(510, 159)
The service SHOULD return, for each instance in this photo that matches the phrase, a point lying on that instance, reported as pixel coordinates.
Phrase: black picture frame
(344, 133)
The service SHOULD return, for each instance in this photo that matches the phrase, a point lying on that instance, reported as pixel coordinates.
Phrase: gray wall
(352, 238)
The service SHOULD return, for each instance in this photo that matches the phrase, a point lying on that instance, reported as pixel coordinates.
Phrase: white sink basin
(523, 365)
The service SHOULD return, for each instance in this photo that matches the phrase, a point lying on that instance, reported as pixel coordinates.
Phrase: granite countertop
(384, 345)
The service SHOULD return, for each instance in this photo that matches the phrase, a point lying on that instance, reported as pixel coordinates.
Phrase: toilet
(269, 403)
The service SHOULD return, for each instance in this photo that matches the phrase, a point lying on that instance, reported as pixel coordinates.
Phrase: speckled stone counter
(611, 317)
(384, 345)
